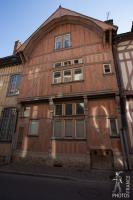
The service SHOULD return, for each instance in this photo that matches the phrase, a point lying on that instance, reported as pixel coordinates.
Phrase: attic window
(62, 41)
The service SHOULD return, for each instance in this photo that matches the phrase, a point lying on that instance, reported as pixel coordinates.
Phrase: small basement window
(107, 69)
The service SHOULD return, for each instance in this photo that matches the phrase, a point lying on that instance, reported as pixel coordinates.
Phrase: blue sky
(20, 18)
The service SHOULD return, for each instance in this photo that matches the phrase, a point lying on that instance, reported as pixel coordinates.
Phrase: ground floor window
(113, 127)
(7, 124)
(33, 128)
(69, 128)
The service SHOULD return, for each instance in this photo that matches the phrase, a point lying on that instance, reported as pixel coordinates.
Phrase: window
(80, 126)
(68, 62)
(26, 111)
(58, 128)
(58, 42)
(69, 128)
(113, 128)
(34, 111)
(107, 69)
(58, 109)
(79, 108)
(78, 74)
(57, 77)
(58, 64)
(33, 128)
(62, 41)
(78, 61)
(14, 84)
(66, 41)
(7, 124)
(68, 109)
(66, 125)
(67, 75)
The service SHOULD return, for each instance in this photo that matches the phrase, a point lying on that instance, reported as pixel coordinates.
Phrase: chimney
(16, 46)
(110, 21)
(132, 27)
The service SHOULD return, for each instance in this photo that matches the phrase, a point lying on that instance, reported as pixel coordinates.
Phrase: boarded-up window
(58, 128)
(69, 128)
(33, 128)
(80, 128)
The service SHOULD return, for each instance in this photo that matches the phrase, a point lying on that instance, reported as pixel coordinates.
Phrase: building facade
(123, 51)
(10, 76)
(69, 98)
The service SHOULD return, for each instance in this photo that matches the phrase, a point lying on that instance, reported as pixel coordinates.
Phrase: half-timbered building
(10, 76)
(123, 52)
(69, 105)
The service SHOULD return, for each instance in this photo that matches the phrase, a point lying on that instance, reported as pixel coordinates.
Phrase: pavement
(92, 175)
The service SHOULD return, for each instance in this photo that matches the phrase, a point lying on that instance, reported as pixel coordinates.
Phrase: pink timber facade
(69, 102)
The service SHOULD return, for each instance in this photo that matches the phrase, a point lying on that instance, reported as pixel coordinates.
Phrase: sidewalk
(59, 172)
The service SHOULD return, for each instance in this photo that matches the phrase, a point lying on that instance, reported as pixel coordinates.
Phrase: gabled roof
(60, 12)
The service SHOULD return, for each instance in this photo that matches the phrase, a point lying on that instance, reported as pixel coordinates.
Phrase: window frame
(25, 110)
(62, 38)
(70, 76)
(80, 119)
(110, 130)
(110, 67)
(57, 78)
(37, 133)
(17, 85)
(74, 117)
(76, 108)
(74, 74)
(61, 112)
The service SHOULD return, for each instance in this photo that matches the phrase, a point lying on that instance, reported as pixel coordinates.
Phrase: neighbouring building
(10, 76)
(123, 53)
(69, 98)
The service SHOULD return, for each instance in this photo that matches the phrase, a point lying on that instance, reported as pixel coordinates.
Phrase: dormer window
(62, 41)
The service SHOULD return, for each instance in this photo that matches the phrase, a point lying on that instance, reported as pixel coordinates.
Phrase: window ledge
(11, 95)
(62, 83)
(34, 136)
(114, 137)
(68, 138)
(5, 141)
(62, 49)
(108, 74)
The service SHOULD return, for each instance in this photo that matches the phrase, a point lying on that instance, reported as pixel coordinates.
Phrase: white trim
(110, 68)
(69, 77)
